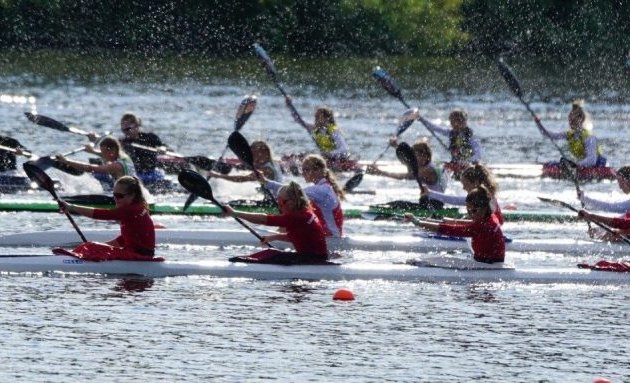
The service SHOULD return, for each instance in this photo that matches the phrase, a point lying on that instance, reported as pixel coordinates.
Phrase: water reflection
(134, 284)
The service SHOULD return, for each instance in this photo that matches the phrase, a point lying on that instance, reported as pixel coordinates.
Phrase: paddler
(464, 147)
(8, 160)
(430, 175)
(582, 143)
(137, 232)
(621, 224)
(117, 162)
(488, 243)
(623, 207)
(474, 176)
(302, 228)
(324, 193)
(326, 134)
(263, 162)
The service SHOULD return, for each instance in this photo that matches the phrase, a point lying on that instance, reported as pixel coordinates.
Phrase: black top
(7, 159)
(143, 160)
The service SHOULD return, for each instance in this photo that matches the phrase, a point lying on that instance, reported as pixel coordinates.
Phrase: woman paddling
(117, 163)
(464, 148)
(488, 243)
(623, 207)
(471, 178)
(582, 143)
(137, 232)
(263, 162)
(429, 174)
(303, 230)
(326, 134)
(325, 194)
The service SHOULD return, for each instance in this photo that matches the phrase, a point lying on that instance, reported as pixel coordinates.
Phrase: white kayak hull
(353, 271)
(405, 243)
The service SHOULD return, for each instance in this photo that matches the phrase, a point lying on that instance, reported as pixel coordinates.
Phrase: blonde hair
(112, 143)
(133, 186)
(423, 147)
(480, 174)
(317, 162)
(131, 117)
(578, 111)
(294, 193)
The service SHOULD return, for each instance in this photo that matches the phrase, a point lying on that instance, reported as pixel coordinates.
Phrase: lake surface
(56, 328)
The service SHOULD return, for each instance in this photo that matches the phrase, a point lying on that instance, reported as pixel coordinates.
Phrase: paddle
(515, 87)
(239, 145)
(568, 206)
(389, 84)
(41, 178)
(201, 162)
(244, 111)
(47, 162)
(405, 154)
(198, 185)
(267, 63)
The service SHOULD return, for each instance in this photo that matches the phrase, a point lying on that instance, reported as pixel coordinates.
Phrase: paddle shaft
(568, 206)
(249, 228)
(74, 224)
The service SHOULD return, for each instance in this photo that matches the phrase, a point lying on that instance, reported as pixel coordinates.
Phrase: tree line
(547, 29)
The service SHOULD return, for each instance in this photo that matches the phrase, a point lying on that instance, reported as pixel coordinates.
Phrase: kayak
(404, 243)
(584, 173)
(430, 270)
(350, 212)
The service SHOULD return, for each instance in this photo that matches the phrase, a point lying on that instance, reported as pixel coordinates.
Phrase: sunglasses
(128, 128)
(120, 195)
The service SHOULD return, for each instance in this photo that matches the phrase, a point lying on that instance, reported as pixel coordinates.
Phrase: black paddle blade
(386, 81)
(406, 120)
(244, 111)
(40, 177)
(265, 60)
(208, 164)
(46, 121)
(353, 182)
(239, 145)
(405, 154)
(196, 184)
(510, 78)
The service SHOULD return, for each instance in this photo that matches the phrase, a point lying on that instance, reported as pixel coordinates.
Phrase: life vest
(324, 138)
(576, 143)
(459, 144)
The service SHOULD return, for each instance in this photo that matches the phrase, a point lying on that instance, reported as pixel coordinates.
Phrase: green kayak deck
(350, 212)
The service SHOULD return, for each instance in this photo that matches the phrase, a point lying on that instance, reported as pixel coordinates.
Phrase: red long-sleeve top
(488, 242)
(137, 232)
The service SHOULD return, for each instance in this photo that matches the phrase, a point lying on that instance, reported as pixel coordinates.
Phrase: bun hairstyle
(579, 114)
(133, 186)
(480, 174)
(294, 193)
(480, 198)
(317, 162)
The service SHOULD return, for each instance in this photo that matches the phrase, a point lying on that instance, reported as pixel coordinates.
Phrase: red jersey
(488, 242)
(622, 223)
(136, 227)
(304, 230)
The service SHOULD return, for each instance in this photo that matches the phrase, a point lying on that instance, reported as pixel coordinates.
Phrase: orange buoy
(601, 380)
(343, 295)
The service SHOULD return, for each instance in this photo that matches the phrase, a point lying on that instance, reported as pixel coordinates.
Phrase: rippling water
(72, 327)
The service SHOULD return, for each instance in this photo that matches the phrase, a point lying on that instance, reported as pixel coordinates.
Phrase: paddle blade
(353, 182)
(40, 177)
(239, 145)
(46, 121)
(386, 81)
(405, 154)
(208, 164)
(265, 60)
(510, 78)
(245, 109)
(196, 184)
(406, 120)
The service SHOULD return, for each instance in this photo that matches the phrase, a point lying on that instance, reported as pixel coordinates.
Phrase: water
(58, 328)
